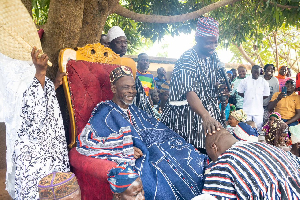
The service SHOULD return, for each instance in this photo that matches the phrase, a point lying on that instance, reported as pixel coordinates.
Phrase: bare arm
(273, 104)
(210, 125)
(295, 118)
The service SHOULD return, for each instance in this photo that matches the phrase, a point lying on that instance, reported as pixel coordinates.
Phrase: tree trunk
(62, 29)
(95, 14)
(276, 50)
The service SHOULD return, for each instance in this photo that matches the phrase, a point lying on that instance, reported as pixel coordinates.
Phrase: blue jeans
(291, 124)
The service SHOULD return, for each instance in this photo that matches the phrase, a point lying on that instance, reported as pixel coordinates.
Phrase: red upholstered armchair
(86, 85)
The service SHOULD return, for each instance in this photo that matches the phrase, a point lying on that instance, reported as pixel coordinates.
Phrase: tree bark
(245, 55)
(62, 29)
(28, 5)
(94, 16)
(120, 10)
(276, 50)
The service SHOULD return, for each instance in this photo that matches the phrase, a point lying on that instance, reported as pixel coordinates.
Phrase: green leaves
(40, 11)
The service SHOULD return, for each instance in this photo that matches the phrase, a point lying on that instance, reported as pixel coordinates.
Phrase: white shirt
(254, 91)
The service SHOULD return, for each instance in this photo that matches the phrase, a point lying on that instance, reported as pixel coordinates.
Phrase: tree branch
(282, 6)
(120, 10)
(245, 55)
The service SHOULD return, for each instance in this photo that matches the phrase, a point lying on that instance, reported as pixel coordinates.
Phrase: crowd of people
(181, 148)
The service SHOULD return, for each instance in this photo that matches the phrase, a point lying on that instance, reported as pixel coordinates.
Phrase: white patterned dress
(40, 145)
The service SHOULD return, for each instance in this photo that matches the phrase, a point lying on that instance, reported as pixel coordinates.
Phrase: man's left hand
(59, 79)
(137, 153)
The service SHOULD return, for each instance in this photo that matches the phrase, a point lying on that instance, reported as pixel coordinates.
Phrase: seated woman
(240, 130)
(169, 167)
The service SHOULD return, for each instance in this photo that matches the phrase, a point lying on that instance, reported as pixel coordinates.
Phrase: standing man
(193, 109)
(145, 77)
(117, 40)
(254, 89)
(161, 77)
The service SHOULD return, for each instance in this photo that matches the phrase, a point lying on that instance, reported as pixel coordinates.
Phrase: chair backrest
(87, 82)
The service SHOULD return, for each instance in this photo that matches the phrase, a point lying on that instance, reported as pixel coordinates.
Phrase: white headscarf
(114, 32)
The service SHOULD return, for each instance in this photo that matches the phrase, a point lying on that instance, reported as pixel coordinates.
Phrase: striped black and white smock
(254, 171)
(200, 75)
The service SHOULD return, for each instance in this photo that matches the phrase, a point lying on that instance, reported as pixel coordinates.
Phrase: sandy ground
(3, 193)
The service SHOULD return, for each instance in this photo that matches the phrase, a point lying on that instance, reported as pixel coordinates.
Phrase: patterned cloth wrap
(266, 127)
(278, 128)
(170, 168)
(207, 26)
(57, 185)
(239, 115)
(121, 177)
(245, 132)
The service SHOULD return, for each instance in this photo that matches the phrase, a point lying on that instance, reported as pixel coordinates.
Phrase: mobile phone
(284, 90)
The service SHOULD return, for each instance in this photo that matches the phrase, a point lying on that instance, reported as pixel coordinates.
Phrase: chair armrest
(94, 166)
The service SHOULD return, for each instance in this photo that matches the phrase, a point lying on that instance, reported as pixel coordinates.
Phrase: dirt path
(3, 193)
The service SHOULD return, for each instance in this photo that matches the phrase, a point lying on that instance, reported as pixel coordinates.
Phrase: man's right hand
(137, 153)
(280, 96)
(210, 125)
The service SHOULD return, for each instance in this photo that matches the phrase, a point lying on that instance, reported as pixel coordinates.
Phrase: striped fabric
(147, 80)
(192, 74)
(254, 171)
(207, 26)
(115, 146)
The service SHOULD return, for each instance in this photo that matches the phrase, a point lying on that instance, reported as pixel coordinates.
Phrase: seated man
(170, 168)
(250, 170)
(125, 183)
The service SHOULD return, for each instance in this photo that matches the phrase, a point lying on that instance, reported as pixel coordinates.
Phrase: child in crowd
(272, 117)
(164, 95)
(278, 134)
(155, 103)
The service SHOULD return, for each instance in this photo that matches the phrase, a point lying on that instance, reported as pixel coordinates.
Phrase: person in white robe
(35, 136)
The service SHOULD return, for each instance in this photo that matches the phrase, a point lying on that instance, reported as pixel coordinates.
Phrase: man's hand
(40, 62)
(280, 96)
(137, 153)
(210, 125)
(59, 79)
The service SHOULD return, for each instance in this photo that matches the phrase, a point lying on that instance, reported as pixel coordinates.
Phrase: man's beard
(126, 103)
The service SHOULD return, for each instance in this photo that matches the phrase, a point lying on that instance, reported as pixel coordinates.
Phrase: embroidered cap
(121, 177)
(114, 32)
(57, 185)
(119, 72)
(207, 26)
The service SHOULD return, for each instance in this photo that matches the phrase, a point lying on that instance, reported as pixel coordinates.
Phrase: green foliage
(40, 10)
(288, 45)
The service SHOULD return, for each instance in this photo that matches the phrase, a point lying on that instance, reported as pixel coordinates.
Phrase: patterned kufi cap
(239, 115)
(275, 114)
(121, 177)
(114, 32)
(207, 26)
(119, 72)
(57, 185)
